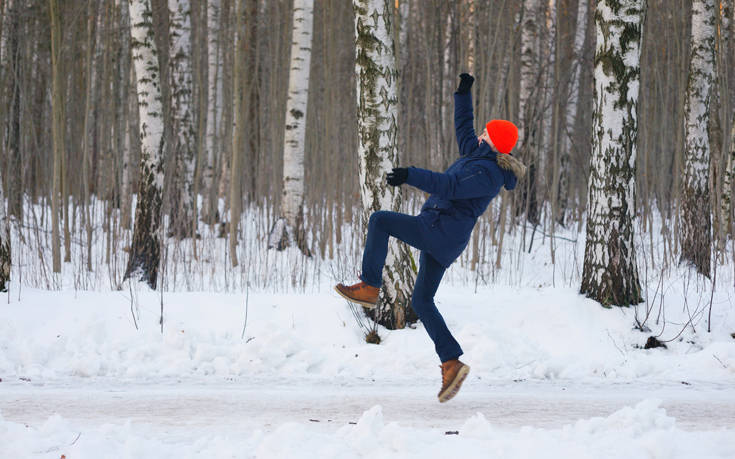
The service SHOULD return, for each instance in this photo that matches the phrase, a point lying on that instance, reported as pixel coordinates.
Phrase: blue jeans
(406, 228)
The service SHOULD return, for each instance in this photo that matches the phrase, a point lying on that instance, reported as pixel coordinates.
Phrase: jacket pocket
(463, 177)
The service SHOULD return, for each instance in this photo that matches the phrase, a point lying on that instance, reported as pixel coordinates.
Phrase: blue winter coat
(461, 194)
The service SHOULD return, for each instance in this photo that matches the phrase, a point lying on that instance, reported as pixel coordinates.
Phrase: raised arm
(463, 116)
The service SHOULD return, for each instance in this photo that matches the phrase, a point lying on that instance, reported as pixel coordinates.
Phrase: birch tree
(145, 252)
(4, 242)
(289, 228)
(127, 107)
(726, 207)
(182, 115)
(580, 32)
(214, 103)
(377, 110)
(610, 273)
(696, 234)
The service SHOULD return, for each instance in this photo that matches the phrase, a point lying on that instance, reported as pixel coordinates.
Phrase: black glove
(398, 176)
(465, 83)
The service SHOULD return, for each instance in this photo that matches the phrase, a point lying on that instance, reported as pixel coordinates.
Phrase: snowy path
(257, 406)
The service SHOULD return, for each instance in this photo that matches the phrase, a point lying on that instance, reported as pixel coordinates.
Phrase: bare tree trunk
(528, 105)
(132, 143)
(4, 61)
(727, 216)
(216, 23)
(4, 243)
(228, 35)
(87, 130)
(145, 252)
(14, 181)
(289, 228)
(726, 208)
(610, 273)
(444, 100)
(124, 112)
(377, 131)
(200, 40)
(550, 77)
(696, 242)
(2, 22)
(471, 34)
(182, 117)
(238, 125)
(725, 71)
(57, 127)
(571, 109)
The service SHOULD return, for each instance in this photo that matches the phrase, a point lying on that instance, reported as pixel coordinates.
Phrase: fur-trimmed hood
(510, 163)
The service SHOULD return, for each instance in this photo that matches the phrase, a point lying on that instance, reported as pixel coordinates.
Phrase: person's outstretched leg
(381, 226)
(427, 282)
(454, 372)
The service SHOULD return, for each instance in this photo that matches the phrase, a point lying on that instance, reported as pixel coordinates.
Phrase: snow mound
(641, 431)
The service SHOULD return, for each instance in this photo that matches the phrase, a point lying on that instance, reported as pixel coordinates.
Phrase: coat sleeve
(510, 180)
(472, 182)
(463, 123)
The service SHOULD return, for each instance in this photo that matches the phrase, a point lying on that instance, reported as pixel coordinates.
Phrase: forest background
(71, 202)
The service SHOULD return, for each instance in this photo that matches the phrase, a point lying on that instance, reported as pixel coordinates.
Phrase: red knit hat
(504, 134)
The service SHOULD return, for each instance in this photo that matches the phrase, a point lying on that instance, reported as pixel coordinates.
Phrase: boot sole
(364, 304)
(455, 385)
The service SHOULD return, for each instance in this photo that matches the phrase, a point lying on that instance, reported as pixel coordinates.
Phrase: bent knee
(376, 218)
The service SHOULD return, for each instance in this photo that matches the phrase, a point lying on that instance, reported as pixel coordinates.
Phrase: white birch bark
(215, 103)
(145, 251)
(124, 106)
(289, 229)
(570, 116)
(182, 113)
(377, 114)
(5, 258)
(610, 273)
(696, 237)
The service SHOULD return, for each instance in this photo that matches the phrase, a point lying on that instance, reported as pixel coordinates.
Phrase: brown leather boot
(362, 293)
(454, 373)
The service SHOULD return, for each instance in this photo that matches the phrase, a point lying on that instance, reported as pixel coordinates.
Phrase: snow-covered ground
(364, 421)
(553, 375)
